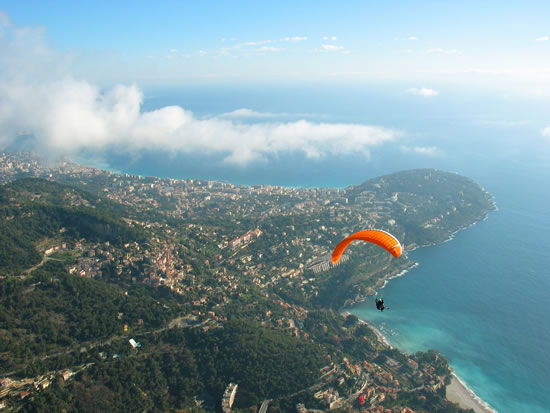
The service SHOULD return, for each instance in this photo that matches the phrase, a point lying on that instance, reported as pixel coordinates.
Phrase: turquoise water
(482, 299)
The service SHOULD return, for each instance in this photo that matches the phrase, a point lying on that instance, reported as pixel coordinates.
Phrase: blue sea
(483, 298)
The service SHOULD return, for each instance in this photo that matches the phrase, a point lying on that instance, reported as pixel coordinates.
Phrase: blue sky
(178, 42)
(73, 76)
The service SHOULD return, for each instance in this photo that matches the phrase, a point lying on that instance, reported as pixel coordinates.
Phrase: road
(44, 259)
(264, 406)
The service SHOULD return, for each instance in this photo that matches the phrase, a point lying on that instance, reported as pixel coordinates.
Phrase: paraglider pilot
(380, 304)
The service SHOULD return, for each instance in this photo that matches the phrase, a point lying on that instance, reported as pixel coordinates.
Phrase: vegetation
(173, 366)
(32, 210)
(53, 311)
(82, 274)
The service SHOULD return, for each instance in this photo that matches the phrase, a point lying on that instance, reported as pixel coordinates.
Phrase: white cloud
(332, 38)
(423, 92)
(331, 47)
(443, 51)
(542, 39)
(65, 115)
(249, 113)
(294, 39)
(546, 132)
(250, 44)
(412, 38)
(245, 113)
(70, 116)
(421, 150)
(269, 49)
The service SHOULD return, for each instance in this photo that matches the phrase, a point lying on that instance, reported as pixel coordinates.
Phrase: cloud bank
(249, 113)
(66, 116)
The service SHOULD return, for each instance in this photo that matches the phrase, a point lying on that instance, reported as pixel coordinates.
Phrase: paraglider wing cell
(376, 236)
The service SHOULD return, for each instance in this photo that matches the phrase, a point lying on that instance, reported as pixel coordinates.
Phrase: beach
(458, 393)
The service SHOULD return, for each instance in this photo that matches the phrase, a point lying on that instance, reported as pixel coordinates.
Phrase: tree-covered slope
(427, 205)
(33, 209)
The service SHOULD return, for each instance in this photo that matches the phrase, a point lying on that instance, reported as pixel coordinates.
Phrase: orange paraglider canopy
(376, 236)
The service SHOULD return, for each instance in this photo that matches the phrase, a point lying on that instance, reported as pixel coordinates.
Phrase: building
(229, 397)
(246, 238)
(41, 384)
(66, 375)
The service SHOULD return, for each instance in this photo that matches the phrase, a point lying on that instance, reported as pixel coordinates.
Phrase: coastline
(381, 337)
(457, 391)
(399, 274)
(381, 283)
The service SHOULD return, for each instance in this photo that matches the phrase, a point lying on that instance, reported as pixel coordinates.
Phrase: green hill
(33, 210)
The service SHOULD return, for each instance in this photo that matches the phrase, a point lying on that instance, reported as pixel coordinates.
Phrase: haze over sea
(483, 298)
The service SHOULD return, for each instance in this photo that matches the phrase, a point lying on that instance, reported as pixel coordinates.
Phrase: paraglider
(376, 236)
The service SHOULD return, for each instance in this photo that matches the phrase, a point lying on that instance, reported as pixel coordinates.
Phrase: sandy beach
(459, 393)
